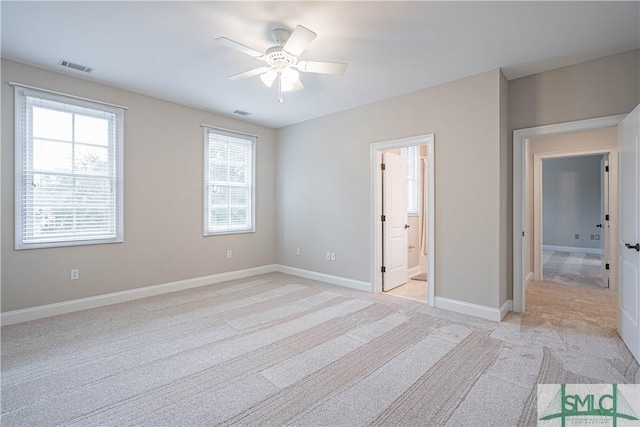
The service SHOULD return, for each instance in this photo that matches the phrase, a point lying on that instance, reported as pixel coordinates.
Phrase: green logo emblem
(587, 404)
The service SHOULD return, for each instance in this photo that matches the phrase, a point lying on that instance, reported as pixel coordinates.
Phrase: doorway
(394, 241)
(574, 220)
(525, 258)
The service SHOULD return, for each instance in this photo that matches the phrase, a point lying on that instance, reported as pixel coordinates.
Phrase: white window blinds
(68, 171)
(229, 182)
(412, 154)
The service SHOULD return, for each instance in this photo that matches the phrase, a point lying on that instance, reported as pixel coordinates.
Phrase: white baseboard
(39, 312)
(506, 307)
(334, 280)
(528, 278)
(488, 313)
(572, 249)
(413, 271)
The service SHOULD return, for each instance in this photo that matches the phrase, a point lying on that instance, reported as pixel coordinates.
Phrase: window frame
(253, 139)
(415, 179)
(21, 139)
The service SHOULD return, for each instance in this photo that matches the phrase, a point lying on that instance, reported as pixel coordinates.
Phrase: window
(68, 171)
(228, 182)
(412, 154)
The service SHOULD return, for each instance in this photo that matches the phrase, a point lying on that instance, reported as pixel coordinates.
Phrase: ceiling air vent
(242, 113)
(76, 67)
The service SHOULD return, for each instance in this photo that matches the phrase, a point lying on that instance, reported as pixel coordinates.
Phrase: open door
(394, 224)
(629, 240)
(604, 219)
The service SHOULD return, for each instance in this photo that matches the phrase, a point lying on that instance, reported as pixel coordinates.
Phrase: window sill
(51, 245)
(224, 233)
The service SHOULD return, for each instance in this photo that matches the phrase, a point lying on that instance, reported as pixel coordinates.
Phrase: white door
(629, 242)
(604, 221)
(394, 225)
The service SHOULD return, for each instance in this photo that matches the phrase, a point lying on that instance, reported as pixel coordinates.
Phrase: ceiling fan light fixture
(269, 77)
(288, 78)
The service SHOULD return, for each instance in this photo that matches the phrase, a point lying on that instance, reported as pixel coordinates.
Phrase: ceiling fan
(282, 60)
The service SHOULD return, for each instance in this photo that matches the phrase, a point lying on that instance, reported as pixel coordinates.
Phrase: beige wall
(598, 88)
(602, 87)
(324, 180)
(163, 203)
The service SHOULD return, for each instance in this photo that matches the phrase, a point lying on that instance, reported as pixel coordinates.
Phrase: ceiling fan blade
(239, 47)
(322, 67)
(250, 73)
(299, 40)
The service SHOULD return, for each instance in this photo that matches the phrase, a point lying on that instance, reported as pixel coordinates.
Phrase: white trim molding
(42, 311)
(506, 307)
(481, 311)
(327, 278)
(528, 278)
(538, 157)
(520, 204)
(572, 249)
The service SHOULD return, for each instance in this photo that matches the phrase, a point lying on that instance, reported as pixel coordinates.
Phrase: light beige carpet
(572, 268)
(276, 349)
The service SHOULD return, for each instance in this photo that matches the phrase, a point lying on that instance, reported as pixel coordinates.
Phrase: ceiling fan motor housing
(280, 36)
(278, 58)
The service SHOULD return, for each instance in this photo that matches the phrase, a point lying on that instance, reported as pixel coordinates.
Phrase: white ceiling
(167, 49)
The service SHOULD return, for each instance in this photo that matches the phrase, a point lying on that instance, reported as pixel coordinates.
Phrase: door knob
(630, 246)
(599, 226)
(406, 226)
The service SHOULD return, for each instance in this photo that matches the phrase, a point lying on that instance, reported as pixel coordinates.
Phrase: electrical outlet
(298, 251)
(229, 254)
(577, 236)
(333, 256)
(597, 237)
(328, 256)
(75, 274)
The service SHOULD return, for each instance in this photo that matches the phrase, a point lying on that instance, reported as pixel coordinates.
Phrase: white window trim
(20, 91)
(205, 180)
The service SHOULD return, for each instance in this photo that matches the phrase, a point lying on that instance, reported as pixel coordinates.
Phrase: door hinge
(606, 217)
(382, 166)
(523, 234)
(606, 168)
(383, 269)
(606, 266)
(383, 218)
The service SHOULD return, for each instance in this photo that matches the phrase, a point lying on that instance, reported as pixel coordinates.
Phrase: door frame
(605, 209)
(612, 152)
(376, 208)
(520, 205)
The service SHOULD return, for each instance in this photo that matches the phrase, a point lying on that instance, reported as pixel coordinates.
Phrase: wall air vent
(242, 113)
(76, 67)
